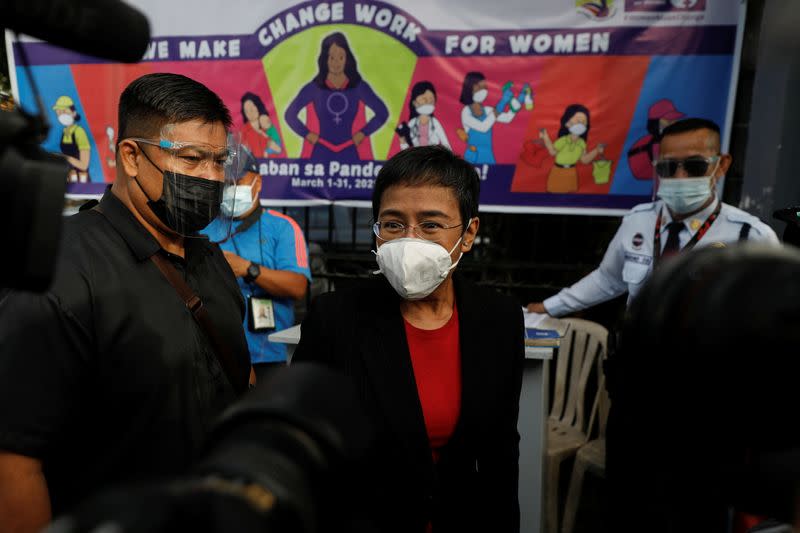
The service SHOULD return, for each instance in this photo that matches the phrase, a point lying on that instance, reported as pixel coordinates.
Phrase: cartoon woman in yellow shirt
(569, 149)
(74, 142)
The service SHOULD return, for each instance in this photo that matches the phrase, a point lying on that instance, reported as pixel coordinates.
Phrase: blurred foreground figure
(704, 391)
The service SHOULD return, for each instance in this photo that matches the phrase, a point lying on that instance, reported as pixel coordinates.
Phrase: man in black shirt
(107, 378)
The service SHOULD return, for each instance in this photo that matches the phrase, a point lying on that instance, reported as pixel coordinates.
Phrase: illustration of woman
(75, 144)
(569, 149)
(258, 132)
(335, 94)
(478, 120)
(645, 150)
(423, 128)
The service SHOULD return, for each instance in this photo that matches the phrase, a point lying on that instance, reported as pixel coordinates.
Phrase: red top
(436, 358)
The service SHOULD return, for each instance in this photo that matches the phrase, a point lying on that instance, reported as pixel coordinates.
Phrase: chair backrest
(604, 404)
(577, 359)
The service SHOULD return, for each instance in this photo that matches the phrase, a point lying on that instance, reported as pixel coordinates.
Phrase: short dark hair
(150, 102)
(690, 124)
(430, 165)
(715, 308)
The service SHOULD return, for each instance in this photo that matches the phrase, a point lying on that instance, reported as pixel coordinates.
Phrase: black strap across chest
(694, 240)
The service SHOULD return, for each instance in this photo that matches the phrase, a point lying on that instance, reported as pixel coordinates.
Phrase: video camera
(278, 460)
(33, 182)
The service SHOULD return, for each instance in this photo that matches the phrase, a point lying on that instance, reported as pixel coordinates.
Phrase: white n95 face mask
(236, 200)
(414, 267)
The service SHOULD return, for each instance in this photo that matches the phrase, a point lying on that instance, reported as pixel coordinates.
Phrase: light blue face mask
(684, 195)
(236, 200)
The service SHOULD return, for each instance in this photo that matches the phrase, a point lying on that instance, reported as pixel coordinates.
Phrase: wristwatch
(252, 273)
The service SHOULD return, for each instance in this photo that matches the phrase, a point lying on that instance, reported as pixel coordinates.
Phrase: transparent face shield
(187, 198)
(239, 198)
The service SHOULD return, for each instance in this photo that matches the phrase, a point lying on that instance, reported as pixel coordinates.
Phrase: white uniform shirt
(628, 261)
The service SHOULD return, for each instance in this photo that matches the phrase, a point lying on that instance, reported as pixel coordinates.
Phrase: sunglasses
(695, 167)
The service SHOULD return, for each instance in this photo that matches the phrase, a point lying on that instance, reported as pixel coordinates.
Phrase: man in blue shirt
(269, 257)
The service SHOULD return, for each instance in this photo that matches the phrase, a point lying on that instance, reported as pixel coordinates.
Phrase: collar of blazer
(385, 351)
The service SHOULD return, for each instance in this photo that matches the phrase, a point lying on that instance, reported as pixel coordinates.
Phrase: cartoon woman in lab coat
(423, 128)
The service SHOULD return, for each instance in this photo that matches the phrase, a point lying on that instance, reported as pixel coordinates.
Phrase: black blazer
(475, 483)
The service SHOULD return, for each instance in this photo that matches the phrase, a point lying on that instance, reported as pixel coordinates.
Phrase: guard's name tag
(261, 314)
(638, 258)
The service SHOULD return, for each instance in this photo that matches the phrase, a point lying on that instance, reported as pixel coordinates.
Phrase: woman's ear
(127, 151)
(470, 234)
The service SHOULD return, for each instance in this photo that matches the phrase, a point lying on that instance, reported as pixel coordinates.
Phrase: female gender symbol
(343, 105)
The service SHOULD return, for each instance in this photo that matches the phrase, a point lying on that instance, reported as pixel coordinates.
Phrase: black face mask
(187, 204)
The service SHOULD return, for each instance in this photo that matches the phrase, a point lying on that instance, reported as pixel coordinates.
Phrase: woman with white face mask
(423, 128)
(569, 149)
(437, 359)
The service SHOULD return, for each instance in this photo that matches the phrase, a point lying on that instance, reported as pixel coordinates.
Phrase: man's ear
(257, 187)
(470, 234)
(725, 161)
(127, 152)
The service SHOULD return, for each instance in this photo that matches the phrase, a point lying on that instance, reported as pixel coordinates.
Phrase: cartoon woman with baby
(258, 132)
(335, 94)
(569, 149)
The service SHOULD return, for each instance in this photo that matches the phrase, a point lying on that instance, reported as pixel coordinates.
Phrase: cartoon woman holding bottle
(569, 148)
(478, 119)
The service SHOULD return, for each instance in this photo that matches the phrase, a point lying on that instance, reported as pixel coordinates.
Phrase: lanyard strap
(246, 224)
(694, 240)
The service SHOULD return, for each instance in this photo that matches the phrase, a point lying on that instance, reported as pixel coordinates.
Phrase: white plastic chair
(591, 457)
(584, 345)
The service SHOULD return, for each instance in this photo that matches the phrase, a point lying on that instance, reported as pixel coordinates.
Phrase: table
(531, 426)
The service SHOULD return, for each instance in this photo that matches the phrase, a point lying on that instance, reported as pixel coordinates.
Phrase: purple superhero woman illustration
(335, 94)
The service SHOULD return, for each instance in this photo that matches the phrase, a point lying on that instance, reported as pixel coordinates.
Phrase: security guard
(688, 215)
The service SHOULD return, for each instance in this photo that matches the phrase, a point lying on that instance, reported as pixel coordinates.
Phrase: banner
(559, 104)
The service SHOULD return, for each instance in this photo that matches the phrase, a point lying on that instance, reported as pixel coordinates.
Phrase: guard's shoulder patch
(737, 215)
(642, 208)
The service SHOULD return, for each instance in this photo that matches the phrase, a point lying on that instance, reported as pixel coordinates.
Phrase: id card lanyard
(260, 311)
(694, 240)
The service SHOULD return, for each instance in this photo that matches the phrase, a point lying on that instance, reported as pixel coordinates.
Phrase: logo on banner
(665, 5)
(596, 9)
